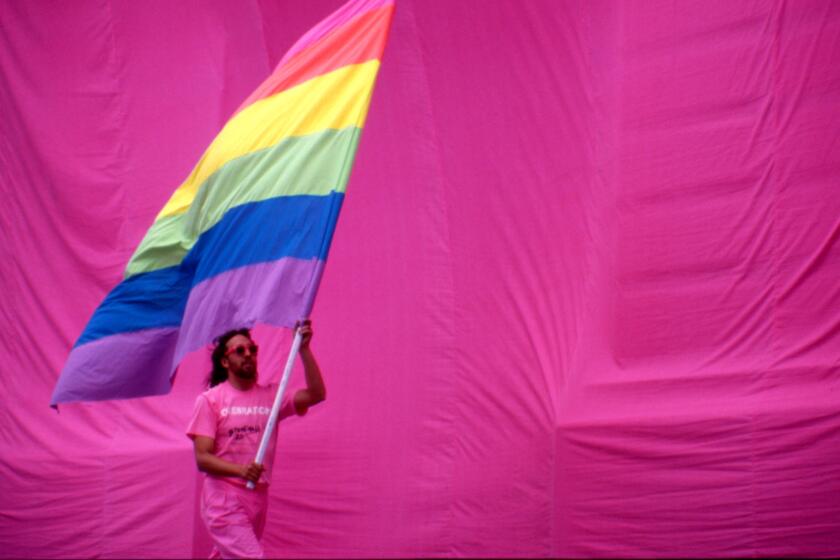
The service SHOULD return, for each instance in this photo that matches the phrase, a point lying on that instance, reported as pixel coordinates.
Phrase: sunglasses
(240, 350)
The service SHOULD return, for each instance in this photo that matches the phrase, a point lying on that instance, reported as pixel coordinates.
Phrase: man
(226, 429)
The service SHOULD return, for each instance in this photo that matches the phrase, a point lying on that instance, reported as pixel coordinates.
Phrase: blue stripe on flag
(289, 226)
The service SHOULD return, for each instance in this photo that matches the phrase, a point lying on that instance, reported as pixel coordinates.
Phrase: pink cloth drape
(582, 300)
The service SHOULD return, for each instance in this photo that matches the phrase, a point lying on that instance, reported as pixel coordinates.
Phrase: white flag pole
(278, 399)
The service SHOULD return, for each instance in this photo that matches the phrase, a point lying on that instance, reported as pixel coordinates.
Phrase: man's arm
(209, 463)
(315, 391)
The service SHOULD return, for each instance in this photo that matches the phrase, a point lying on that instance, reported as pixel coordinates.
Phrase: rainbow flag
(244, 239)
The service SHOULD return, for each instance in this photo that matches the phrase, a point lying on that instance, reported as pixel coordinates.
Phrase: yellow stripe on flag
(334, 100)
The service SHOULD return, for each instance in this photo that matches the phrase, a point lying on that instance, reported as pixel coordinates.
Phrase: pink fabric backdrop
(583, 298)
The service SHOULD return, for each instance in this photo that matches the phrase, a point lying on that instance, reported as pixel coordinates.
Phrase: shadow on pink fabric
(582, 300)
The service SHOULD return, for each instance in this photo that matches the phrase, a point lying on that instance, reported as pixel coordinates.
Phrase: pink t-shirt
(236, 421)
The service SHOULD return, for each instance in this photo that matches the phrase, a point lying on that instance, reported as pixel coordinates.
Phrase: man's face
(241, 357)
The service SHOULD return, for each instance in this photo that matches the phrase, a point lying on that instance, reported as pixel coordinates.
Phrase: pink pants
(235, 518)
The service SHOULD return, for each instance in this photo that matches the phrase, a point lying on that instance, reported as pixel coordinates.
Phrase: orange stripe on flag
(359, 40)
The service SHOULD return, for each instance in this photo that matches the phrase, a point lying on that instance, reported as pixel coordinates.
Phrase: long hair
(219, 373)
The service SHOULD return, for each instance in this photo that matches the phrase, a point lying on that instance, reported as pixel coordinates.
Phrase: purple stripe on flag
(276, 293)
(122, 366)
(140, 363)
